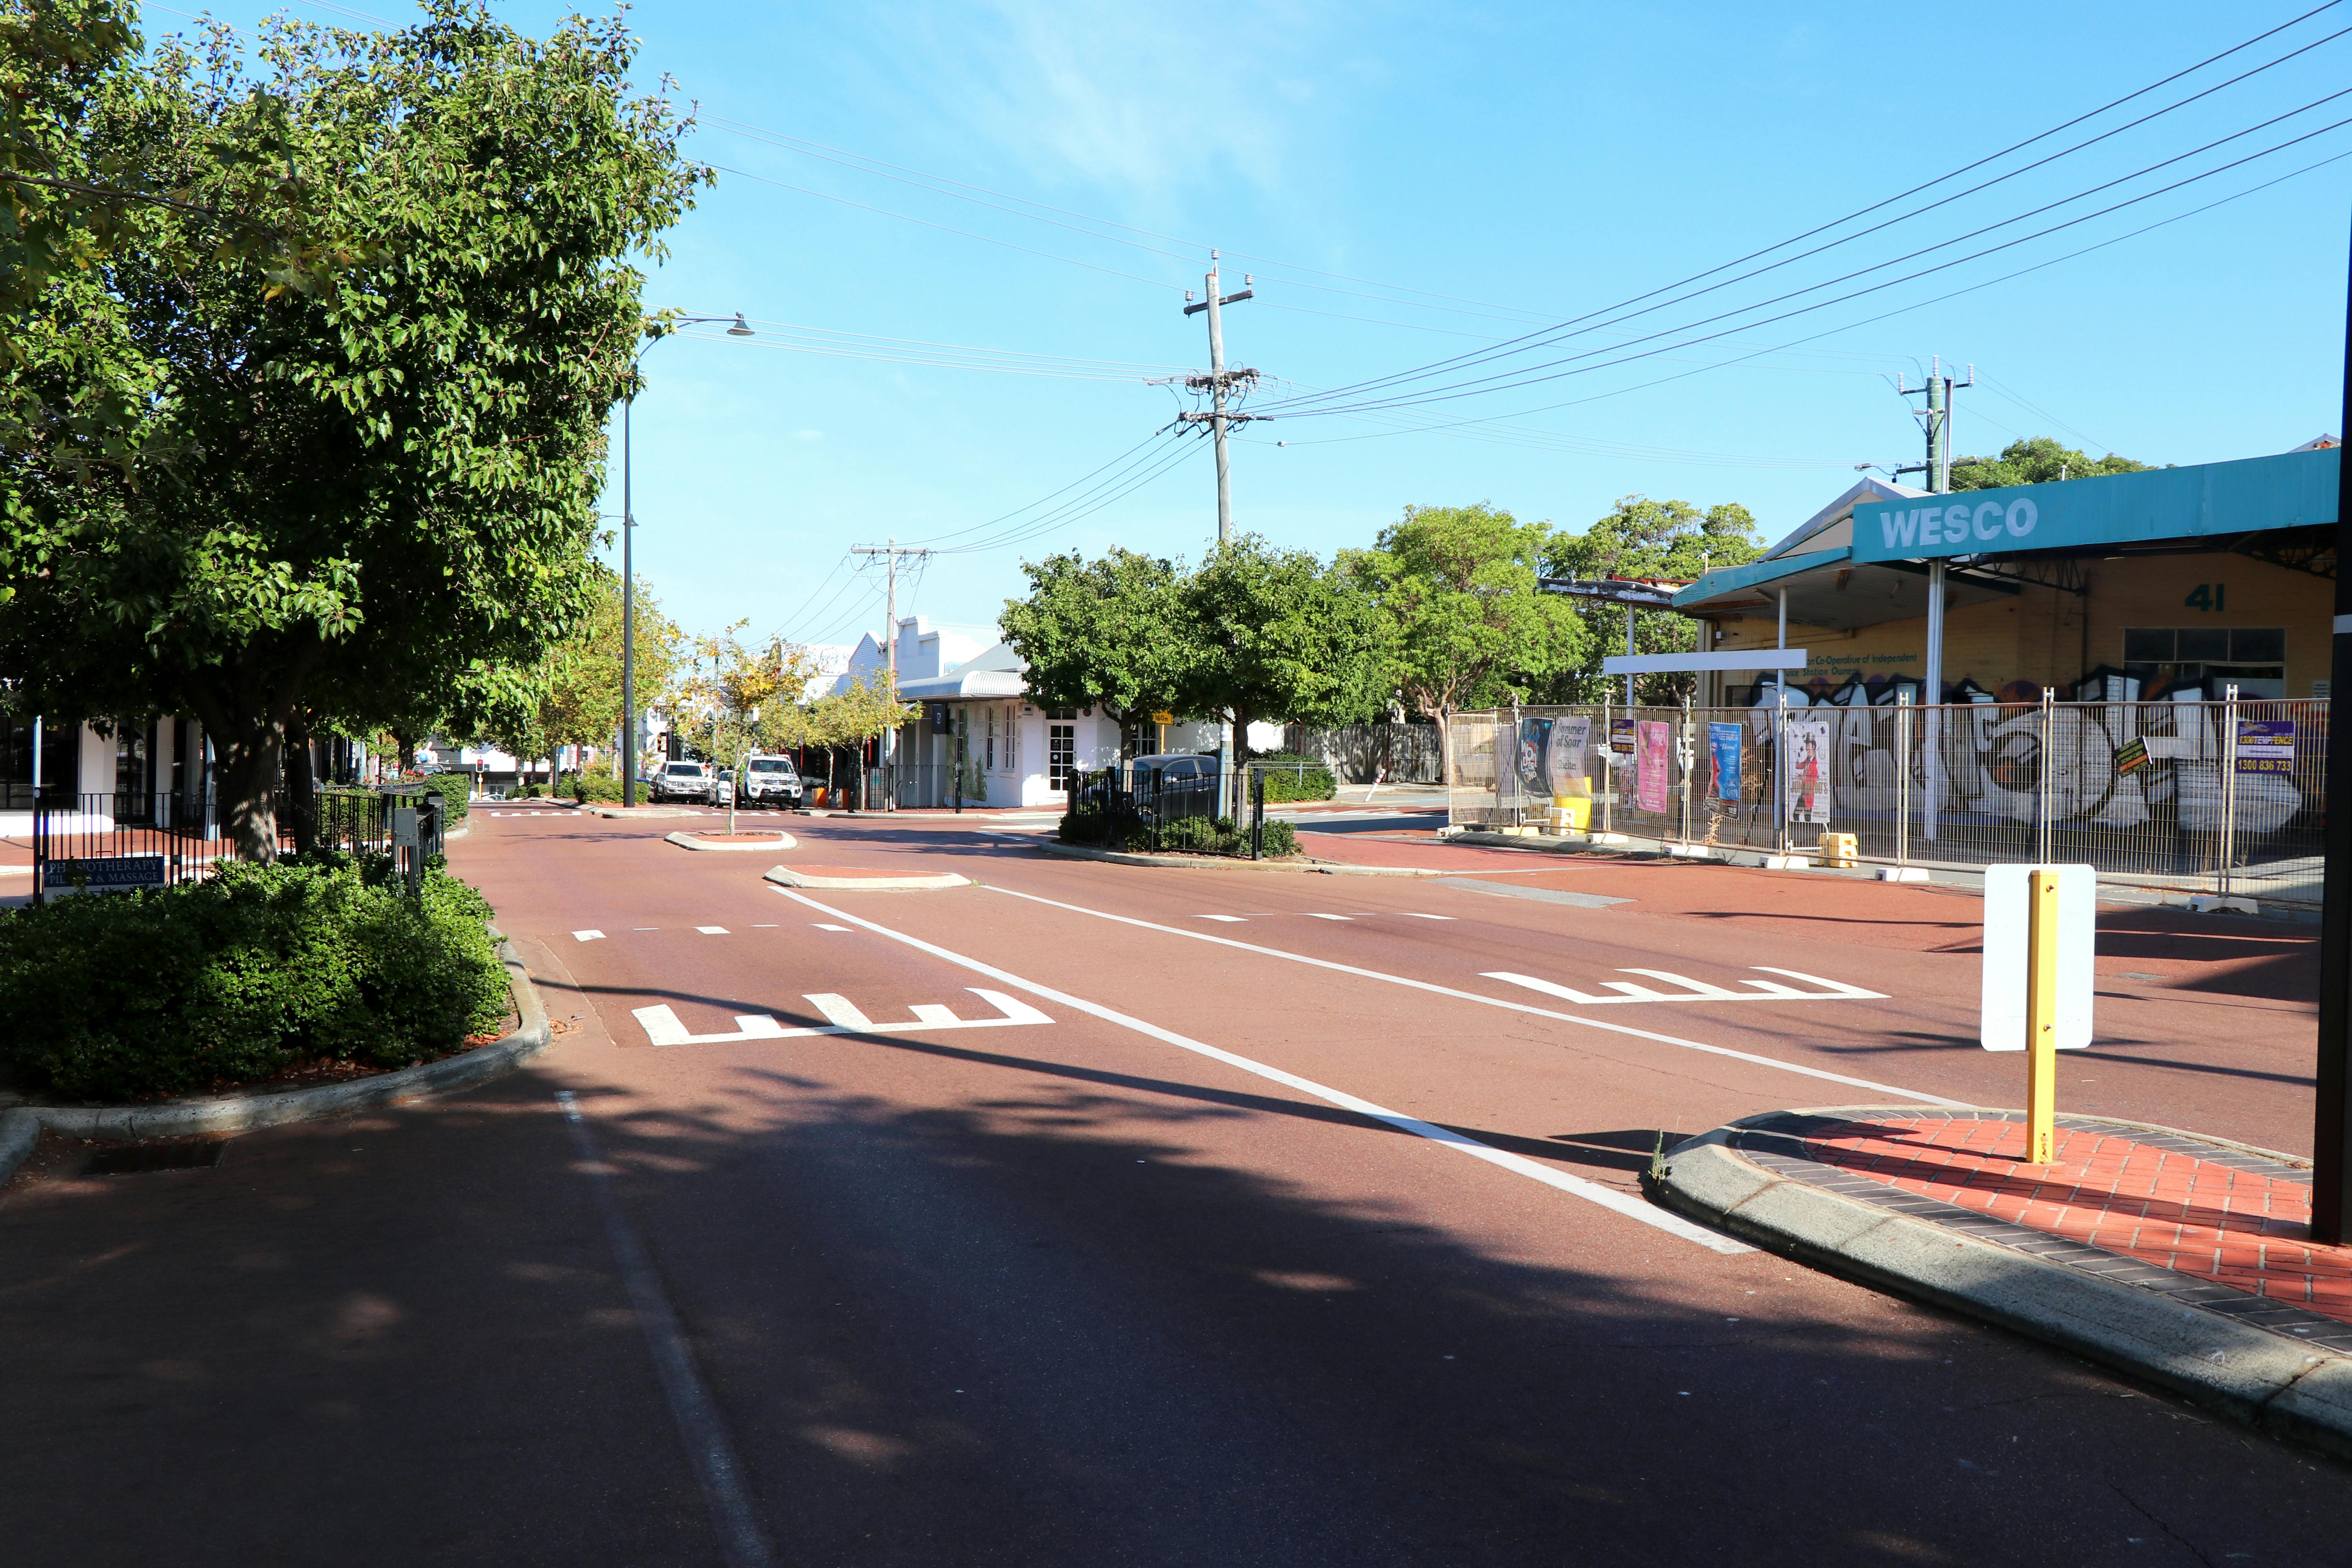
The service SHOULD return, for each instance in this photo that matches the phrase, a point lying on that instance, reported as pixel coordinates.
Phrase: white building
(973, 692)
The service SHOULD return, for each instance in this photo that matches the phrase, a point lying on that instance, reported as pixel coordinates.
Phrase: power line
(1500, 384)
(1461, 361)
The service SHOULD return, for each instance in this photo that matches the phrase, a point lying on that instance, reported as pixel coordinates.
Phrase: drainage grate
(137, 1159)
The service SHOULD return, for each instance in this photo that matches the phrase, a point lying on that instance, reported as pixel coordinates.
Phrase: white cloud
(1143, 99)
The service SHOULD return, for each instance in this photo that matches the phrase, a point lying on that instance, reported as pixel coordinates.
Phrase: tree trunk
(245, 772)
(406, 746)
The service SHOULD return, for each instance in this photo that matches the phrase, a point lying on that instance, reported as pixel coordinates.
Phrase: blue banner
(1723, 739)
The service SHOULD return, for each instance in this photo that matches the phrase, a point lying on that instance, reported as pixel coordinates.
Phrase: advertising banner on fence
(1656, 738)
(1535, 735)
(1564, 760)
(2266, 745)
(1808, 771)
(1723, 742)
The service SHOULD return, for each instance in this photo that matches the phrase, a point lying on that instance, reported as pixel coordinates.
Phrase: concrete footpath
(2177, 1259)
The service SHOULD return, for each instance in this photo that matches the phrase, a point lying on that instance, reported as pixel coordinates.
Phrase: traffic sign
(2008, 922)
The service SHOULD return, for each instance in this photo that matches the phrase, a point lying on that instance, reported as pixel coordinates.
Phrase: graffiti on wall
(1993, 760)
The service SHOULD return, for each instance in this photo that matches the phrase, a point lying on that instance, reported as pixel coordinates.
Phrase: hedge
(111, 997)
(454, 789)
(1290, 776)
(1185, 834)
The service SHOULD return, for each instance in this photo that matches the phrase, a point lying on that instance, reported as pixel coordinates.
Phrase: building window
(60, 761)
(992, 740)
(1012, 739)
(1061, 754)
(2251, 658)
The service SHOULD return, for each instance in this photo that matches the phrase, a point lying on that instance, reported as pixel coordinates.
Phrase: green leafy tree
(1668, 540)
(849, 718)
(1110, 633)
(1467, 627)
(376, 486)
(1277, 636)
(582, 673)
(2036, 460)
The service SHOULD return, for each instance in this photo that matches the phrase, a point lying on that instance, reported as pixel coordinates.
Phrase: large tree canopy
(1108, 631)
(364, 484)
(1643, 538)
(2036, 460)
(1456, 585)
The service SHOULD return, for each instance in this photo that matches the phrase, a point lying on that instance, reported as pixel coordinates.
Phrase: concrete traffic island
(637, 813)
(861, 878)
(773, 840)
(2176, 1258)
(245, 1111)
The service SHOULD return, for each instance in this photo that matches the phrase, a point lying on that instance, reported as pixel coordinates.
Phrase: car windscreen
(685, 770)
(770, 765)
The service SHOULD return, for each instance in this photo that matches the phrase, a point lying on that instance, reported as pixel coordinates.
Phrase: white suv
(686, 781)
(771, 781)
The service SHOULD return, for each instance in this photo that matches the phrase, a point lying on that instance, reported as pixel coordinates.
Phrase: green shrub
(113, 997)
(1083, 825)
(453, 789)
(1290, 776)
(595, 789)
(1199, 836)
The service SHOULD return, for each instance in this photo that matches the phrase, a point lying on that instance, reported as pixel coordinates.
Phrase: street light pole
(740, 328)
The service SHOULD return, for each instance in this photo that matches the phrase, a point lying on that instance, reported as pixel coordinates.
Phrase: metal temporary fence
(1360, 754)
(2222, 797)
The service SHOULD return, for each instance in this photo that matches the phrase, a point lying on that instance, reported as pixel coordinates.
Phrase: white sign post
(2007, 920)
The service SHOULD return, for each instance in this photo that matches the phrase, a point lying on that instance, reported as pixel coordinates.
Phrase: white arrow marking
(663, 1026)
(1696, 991)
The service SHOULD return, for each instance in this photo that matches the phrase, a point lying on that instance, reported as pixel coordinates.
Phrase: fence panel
(2215, 796)
(1358, 754)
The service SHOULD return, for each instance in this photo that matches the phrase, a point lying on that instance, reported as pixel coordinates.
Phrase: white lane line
(1413, 915)
(740, 1539)
(1313, 917)
(587, 936)
(1231, 920)
(1911, 1095)
(1606, 1197)
(764, 925)
(712, 930)
(821, 926)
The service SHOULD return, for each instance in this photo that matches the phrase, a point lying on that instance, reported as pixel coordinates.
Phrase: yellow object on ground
(1572, 812)
(1840, 849)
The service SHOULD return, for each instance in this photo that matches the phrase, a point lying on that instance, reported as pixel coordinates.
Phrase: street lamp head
(740, 328)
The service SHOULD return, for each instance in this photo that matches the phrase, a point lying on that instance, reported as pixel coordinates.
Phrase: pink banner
(1656, 739)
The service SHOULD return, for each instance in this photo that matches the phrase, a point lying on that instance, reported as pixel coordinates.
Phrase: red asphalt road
(1078, 1291)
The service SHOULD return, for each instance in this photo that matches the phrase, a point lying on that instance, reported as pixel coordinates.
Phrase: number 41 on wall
(2208, 596)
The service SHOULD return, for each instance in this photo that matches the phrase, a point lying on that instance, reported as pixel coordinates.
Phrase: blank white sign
(2007, 933)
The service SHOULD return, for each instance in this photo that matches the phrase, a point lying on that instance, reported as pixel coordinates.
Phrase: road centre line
(1577, 1187)
(1908, 1095)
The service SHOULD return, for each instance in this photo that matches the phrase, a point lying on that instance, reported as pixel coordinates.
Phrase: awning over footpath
(1884, 535)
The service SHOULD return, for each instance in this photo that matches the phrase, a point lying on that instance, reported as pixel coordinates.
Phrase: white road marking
(1911, 1095)
(1330, 917)
(1697, 990)
(712, 930)
(588, 936)
(821, 926)
(1606, 1197)
(741, 1541)
(1234, 919)
(664, 1027)
(764, 925)
(1413, 915)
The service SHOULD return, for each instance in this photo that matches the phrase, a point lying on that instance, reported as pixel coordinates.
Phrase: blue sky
(1518, 166)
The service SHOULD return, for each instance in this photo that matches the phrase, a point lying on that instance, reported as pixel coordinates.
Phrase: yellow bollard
(2041, 1017)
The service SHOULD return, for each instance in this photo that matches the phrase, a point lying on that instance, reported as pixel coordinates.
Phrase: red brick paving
(2238, 1228)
